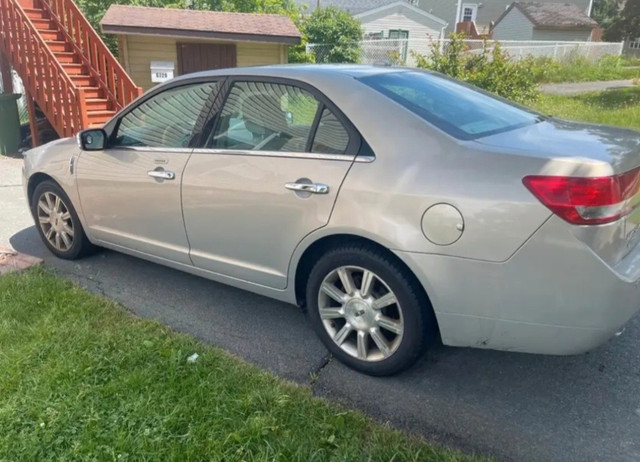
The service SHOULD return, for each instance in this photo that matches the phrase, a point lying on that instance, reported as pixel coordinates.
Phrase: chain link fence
(403, 51)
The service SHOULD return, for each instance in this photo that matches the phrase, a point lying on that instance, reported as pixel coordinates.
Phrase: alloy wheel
(55, 221)
(361, 313)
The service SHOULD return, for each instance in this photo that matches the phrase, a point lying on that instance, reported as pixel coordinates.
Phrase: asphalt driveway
(510, 406)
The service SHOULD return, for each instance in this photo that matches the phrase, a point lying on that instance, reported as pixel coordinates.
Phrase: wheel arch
(327, 242)
(35, 180)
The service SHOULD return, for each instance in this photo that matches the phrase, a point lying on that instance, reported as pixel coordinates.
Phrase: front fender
(54, 160)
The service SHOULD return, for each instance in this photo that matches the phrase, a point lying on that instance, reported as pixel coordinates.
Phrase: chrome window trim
(234, 152)
(365, 159)
(289, 155)
(152, 149)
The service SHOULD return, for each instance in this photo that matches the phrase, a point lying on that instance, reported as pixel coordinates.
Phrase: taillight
(586, 201)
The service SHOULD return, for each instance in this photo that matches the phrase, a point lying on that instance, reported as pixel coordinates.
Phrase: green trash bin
(9, 124)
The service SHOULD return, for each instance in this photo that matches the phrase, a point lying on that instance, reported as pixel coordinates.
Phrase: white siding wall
(400, 21)
(560, 35)
(514, 26)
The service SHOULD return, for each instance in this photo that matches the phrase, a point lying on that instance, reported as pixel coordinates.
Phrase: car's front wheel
(368, 310)
(58, 223)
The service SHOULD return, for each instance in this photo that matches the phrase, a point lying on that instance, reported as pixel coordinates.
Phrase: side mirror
(94, 139)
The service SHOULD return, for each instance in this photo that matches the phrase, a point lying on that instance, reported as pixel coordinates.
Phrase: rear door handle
(313, 188)
(162, 174)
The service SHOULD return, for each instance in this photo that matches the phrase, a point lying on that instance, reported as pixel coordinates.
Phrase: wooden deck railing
(103, 66)
(43, 76)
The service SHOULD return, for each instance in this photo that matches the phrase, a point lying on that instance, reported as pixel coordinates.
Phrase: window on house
(469, 12)
(635, 44)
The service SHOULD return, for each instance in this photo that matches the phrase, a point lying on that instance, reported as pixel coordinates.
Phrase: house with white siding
(544, 21)
(401, 20)
(482, 12)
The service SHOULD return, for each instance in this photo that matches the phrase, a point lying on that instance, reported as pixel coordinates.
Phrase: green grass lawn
(612, 107)
(82, 379)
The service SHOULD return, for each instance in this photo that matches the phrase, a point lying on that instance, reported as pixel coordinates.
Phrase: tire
(62, 233)
(362, 325)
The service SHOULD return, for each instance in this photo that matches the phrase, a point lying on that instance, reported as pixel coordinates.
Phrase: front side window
(166, 120)
(460, 110)
(262, 116)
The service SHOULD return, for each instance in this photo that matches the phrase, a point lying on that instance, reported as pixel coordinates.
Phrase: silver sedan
(398, 206)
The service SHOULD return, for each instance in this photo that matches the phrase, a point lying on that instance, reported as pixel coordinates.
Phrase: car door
(130, 192)
(268, 175)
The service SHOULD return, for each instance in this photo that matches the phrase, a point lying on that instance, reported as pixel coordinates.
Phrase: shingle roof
(553, 15)
(122, 19)
(352, 6)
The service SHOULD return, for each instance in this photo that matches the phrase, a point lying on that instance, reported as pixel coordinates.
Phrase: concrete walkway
(575, 88)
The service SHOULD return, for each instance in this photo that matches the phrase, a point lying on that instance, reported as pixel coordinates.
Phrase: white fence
(401, 51)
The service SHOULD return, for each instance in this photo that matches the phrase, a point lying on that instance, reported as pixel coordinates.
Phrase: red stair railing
(42, 75)
(103, 66)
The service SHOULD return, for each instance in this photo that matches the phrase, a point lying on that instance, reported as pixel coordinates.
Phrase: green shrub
(490, 68)
(337, 33)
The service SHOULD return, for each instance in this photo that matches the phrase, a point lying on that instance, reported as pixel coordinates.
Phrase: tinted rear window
(460, 110)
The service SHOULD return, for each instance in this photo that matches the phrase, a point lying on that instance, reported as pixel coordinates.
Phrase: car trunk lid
(590, 177)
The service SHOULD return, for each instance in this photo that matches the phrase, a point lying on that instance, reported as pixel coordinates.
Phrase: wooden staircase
(64, 65)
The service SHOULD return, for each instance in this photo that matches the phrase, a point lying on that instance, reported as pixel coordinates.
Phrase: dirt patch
(11, 260)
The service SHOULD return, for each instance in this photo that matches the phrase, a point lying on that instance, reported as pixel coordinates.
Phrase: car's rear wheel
(368, 310)
(58, 223)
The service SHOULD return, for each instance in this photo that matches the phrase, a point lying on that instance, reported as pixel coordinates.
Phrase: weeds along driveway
(510, 406)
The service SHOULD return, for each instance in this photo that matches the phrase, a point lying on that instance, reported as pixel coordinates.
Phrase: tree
(606, 12)
(624, 22)
(628, 24)
(336, 32)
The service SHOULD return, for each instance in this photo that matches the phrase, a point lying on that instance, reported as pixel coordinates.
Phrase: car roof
(302, 71)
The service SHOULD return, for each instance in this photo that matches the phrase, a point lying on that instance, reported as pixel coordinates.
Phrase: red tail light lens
(586, 201)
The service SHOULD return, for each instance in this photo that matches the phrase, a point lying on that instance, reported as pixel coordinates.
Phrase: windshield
(462, 111)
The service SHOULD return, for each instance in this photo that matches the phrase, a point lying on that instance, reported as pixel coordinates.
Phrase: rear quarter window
(462, 111)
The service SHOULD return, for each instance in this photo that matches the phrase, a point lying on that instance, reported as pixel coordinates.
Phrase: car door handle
(162, 174)
(313, 188)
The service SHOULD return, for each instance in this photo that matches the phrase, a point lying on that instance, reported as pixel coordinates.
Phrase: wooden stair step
(54, 35)
(29, 3)
(66, 57)
(98, 104)
(92, 92)
(100, 117)
(58, 45)
(97, 114)
(35, 13)
(74, 69)
(81, 80)
(43, 23)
